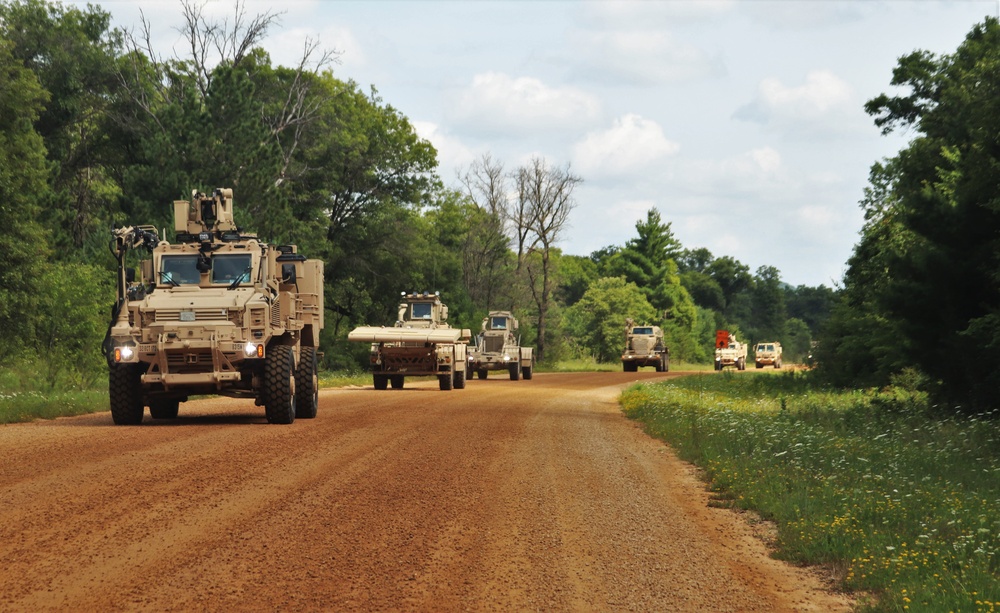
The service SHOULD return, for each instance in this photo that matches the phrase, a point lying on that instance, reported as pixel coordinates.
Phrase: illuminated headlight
(124, 353)
(253, 350)
(506, 358)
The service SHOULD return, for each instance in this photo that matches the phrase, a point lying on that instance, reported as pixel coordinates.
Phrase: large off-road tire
(515, 371)
(741, 364)
(381, 381)
(459, 380)
(526, 372)
(777, 363)
(718, 366)
(125, 390)
(306, 384)
(666, 363)
(630, 367)
(164, 408)
(445, 382)
(482, 373)
(279, 385)
(396, 381)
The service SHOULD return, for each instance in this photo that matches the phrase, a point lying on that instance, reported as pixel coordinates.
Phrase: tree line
(99, 130)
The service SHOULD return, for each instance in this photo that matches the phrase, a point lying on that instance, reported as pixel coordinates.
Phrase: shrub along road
(502, 496)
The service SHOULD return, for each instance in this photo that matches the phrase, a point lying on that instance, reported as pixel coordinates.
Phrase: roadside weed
(905, 506)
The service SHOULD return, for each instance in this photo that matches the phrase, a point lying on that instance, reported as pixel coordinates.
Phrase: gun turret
(205, 213)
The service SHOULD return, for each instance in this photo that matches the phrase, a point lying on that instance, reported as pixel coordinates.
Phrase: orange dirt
(504, 496)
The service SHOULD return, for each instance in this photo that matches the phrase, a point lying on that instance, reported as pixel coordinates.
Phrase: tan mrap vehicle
(216, 312)
(768, 353)
(729, 351)
(420, 344)
(498, 347)
(644, 347)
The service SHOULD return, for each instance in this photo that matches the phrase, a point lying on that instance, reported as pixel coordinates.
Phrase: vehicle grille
(199, 314)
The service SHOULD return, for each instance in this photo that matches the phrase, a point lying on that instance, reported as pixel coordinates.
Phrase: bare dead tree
(544, 202)
(486, 244)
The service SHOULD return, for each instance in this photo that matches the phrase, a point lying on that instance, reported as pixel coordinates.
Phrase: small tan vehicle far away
(644, 347)
(767, 354)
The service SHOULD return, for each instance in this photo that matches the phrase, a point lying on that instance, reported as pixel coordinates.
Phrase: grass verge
(901, 505)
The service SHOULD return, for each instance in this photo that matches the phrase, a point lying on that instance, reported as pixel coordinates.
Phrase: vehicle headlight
(253, 350)
(506, 358)
(124, 353)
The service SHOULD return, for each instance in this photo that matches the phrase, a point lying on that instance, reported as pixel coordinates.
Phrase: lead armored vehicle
(218, 311)
(644, 347)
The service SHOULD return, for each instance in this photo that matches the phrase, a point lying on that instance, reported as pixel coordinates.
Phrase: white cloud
(630, 147)
(498, 104)
(823, 103)
(452, 153)
(644, 57)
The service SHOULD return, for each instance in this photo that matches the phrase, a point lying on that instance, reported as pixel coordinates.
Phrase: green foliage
(865, 482)
(597, 321)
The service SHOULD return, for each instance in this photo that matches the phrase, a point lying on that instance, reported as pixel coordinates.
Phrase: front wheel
(526, 372)
(459, 382)
(445, 382)
(380, 381)
(125, 391)
(396, 381)
(306, 384)
(515, 371)
(279, 385)
(482, 373)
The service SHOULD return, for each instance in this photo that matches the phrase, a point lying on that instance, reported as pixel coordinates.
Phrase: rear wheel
(279, 385)
(125, 390)
(306, 384)
(164, 408)
(381, 381)
(396, 381)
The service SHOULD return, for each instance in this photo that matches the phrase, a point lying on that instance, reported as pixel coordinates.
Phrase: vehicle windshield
(422, 310)
(642, 330)
(179, 270)
(228, 268)
(498, 323)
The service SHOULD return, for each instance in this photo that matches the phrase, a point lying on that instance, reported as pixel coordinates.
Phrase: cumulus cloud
(452, 153)
(823, 103)
(629, 147)
(498, 104)
(640, 57)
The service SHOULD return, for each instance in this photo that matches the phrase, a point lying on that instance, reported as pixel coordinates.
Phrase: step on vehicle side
(421, 343)
(216, 312)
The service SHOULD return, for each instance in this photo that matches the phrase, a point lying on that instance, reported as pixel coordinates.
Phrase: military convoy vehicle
(419, 344)
(644, 347)
(729, 351)
(498, 347)
(216, 312)
(768, 353)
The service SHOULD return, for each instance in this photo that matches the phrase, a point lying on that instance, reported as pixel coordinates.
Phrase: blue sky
(740, 121)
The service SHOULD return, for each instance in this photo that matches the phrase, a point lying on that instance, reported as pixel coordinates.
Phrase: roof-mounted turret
(205, 213)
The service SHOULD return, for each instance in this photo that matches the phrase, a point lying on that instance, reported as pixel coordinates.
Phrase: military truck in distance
(768, 353)
(216, 312)
(729, 351)
(498, 347)
(420, 343)
(644, 347)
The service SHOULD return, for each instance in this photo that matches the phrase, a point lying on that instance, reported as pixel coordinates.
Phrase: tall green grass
(904, 506)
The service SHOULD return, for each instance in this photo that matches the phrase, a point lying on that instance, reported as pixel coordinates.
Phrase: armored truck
(498, 347)
(644, 347)
(218, 311)
(768, 353)
(421, 343)
(729, 351)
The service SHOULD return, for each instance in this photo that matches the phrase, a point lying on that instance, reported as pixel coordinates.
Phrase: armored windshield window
(499, 323)
(228, 268)
(179, 270)
(422, 310)
(642, 330)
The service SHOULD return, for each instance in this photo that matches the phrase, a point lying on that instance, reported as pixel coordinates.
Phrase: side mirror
(444, 313)
(288, 273)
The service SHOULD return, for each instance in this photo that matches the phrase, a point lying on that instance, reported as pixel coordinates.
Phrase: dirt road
(505, 496)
